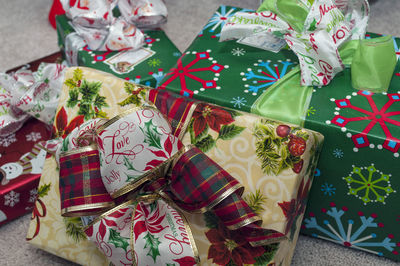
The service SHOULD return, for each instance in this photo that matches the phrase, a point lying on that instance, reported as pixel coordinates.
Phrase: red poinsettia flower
(211, 115)
(152, 222)
(292, 209)
(63, 128)
(227, 245)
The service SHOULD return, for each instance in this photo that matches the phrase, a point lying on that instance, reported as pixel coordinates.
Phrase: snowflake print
(238, 51)
(219, 19)
(11, 198)
(238, 102)
(265, 74)
(176, 54)
(376, 117)
(351, 233)
(328, 189)
(338, 153)
(33, 136)
(7, 141)
(184, 72)
(311, 111)
(154, 62)
(33, 195)
(369, 184)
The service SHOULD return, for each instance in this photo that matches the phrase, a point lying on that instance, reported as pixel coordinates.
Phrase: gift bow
(187, 180)
(314, 30)
(96, 26)
(25, 93)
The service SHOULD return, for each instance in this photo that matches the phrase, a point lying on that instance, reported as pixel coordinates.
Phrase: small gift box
(352, 204)
(268, 167)
(21, 163)
(145, 65)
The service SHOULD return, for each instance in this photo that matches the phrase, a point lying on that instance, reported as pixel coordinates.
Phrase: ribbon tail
(198, 184)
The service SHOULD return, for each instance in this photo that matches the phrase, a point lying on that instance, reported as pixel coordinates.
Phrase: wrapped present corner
(21, 163)
(28, 101)
(145, 63)
(273, 162)
(356, 186)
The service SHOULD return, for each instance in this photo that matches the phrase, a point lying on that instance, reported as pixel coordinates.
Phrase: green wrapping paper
(146, 65)
(355, 192)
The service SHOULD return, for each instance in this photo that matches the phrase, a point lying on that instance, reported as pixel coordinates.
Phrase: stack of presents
(272, 123)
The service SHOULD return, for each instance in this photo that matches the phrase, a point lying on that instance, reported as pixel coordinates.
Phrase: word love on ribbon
(314, 32)
(141, 161)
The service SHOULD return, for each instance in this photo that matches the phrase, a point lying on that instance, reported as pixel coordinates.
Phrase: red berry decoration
(296, 145)
(298, 166)
(283, 131)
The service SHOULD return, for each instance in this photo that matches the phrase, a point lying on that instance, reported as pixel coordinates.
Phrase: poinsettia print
(227, 246)
(62, 127)
(210, 115)
(295, 208)
(218, 119)
(152, 222)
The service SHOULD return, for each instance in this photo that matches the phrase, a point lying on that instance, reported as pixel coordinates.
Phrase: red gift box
(21, 162)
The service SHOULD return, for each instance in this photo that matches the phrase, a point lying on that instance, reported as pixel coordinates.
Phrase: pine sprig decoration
(256, 201)
(74, 228)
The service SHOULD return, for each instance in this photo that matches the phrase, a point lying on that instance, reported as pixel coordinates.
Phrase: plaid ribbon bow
(193, 183)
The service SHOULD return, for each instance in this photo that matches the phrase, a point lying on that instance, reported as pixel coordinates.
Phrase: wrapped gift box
(146, 65)
(21, 164)
(275, 163)
(353, 196)
(205, 70)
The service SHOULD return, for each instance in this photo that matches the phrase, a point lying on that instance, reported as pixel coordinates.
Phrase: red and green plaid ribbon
(81, 187)
(200, 184)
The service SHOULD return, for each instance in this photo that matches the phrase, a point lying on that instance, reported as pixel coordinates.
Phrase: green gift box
(145, 65)
(356, 190)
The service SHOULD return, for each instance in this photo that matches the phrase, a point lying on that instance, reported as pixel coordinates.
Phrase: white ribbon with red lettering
(326, 28)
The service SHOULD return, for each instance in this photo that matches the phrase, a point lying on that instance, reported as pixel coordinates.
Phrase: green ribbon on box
(372, 64)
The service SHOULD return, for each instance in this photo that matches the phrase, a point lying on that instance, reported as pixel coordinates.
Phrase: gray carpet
(25, 35)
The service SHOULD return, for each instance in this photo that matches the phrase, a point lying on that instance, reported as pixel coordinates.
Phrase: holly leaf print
(206, 143)
(44, 190)
(130, 178)
(117, 240)
(73, 98)
(70, 83)
(313, 25)
(100, 101)
(152, 244)
(78, 75)
(128, 164)
(152, 137)
(229, 131)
